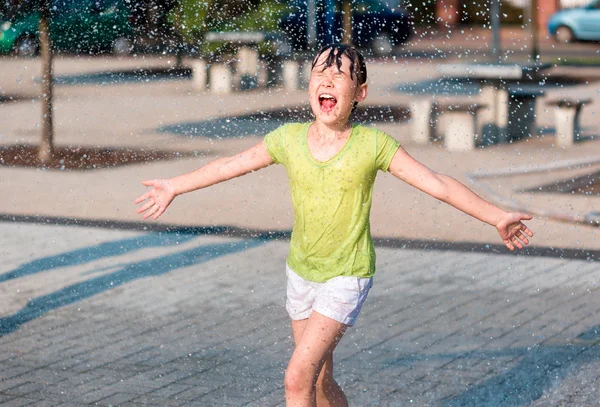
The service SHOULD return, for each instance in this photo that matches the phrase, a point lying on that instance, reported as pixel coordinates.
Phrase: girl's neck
(331, 132)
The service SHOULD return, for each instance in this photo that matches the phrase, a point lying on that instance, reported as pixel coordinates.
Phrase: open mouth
(327, 102)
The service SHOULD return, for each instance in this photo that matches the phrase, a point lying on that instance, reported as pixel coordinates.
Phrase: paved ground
(171, 114)
(95, 316)
(113, 312)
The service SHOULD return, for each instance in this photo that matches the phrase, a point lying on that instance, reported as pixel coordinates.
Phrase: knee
(298, 380)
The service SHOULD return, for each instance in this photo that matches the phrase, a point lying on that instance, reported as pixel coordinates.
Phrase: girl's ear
(361, 93)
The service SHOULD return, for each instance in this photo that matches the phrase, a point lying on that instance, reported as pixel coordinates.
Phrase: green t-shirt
(332, 200)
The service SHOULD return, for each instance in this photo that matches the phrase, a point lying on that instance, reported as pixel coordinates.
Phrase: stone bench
(246, 69)
(461, 130)
(566, 119)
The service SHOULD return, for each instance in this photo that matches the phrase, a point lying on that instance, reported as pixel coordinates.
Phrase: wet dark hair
(335, 53)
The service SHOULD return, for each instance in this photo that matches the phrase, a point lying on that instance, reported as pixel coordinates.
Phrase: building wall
(545, 9)
(448, 11)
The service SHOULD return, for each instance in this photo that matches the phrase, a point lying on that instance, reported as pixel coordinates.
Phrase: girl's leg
(315, 345)
(329, 393)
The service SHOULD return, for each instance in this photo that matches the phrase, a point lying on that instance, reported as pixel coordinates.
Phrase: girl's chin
(330, 117)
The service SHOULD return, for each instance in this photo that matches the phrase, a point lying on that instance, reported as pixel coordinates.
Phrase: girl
(331, 166)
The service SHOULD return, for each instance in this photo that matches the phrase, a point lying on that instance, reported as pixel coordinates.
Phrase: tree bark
(46, 148)
(347, 21)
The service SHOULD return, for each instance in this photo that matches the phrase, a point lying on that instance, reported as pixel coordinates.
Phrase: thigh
(298, 328)
(316, 339)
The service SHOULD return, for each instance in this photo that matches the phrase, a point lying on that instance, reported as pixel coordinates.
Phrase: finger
(149, 183)
(522, 236)
(142, 198)
(509, 245)
(145, 207)
(516, 242)
(151, 211)
(526, 230)
(160, 212)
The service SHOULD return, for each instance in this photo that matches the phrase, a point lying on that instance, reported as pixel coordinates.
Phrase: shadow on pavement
(263, 122)
(590, 255)
(37, 307)
(540, 369)
(93, 253)
(121, 77)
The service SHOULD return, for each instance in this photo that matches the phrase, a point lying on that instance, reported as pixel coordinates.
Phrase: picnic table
(509, 91)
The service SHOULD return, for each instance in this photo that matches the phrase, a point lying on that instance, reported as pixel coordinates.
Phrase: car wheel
(382, 45)
(26, 46)
(122, 46)
(564, 34)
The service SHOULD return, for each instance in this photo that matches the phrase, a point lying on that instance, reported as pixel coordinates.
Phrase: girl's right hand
(156, 201)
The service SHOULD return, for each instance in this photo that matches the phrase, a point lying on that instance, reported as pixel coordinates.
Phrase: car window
(595, 5)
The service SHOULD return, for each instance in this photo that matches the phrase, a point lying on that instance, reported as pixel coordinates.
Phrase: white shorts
(340, 298)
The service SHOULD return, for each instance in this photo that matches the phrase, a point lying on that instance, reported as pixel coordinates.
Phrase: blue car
(577, 24)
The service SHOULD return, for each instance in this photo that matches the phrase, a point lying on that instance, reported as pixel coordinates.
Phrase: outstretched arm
(163, 191)
(512, 231)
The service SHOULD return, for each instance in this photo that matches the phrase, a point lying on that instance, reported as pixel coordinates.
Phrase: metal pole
(495, 23)
(311, 25)
(534, 31)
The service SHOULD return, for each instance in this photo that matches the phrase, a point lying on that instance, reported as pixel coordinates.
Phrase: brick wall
(545, 9)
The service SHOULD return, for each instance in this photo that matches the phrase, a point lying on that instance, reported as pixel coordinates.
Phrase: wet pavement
(101, 316)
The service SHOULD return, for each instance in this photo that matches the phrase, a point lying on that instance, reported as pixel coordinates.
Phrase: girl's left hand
(513, 232)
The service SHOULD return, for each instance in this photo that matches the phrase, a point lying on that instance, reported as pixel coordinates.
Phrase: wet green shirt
(332, 200)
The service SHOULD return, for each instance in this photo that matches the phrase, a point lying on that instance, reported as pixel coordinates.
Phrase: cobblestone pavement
(101, 316)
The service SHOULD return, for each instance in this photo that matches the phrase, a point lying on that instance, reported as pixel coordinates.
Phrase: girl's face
(332, 92)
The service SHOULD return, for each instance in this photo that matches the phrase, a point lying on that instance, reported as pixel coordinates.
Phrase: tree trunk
(46, 149)
(347, 21)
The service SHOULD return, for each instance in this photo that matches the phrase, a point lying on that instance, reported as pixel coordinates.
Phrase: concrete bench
(567, 115)
(462, 124)
(246, 69)
(513, 115)
(509, 90)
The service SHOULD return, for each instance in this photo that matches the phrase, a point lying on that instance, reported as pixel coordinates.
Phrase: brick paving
(100, 316)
